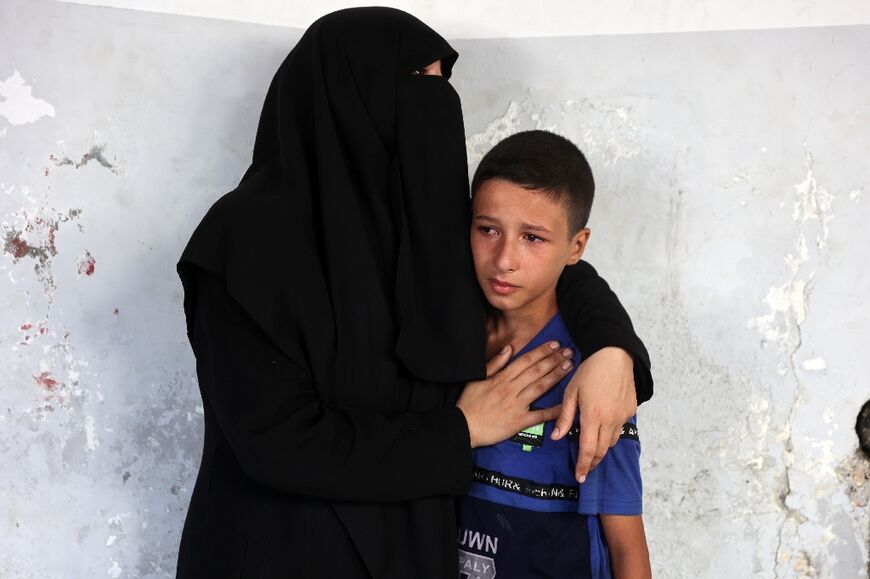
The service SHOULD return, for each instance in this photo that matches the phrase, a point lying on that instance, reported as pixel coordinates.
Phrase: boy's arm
(626, 540)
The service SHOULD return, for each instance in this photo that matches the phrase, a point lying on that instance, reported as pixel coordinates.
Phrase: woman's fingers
(604, 436)
(498, 361)
(606, 397)
(594, 446)
(588, 446)
(543, 375)
(614, 436)
(569, 409)
(542, 415)
(498, 407)
(528, 360)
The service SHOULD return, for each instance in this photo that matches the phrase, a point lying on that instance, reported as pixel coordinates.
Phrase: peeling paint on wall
(789, 308)
(603, 131)
(87, 264)
(33, 235)
(812, 210)
(817, 364)
(18, 105)
(96, 153)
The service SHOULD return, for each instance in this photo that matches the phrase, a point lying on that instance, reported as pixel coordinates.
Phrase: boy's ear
(578, 245)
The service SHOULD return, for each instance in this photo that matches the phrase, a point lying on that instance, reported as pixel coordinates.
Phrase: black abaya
(333, 311)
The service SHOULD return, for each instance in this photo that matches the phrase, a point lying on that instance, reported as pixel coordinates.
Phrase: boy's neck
(518, 327)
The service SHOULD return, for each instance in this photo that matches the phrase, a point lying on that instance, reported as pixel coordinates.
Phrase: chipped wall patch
(91, 441)
(47, 382)
(34, 236)
(787, 303)
(96, 154)
(603, 131)
(31, 333)
(817, 364)
(87, 264)
(18, 105)
(813, 202)
(115, 570)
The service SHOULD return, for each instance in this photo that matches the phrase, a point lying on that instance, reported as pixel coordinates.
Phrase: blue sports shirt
(525, 514)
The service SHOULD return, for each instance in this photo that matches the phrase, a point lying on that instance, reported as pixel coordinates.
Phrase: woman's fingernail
(505, 349)
(566, 365)
(554, 345)
(581, 479)
(555, 433)
(567, 352)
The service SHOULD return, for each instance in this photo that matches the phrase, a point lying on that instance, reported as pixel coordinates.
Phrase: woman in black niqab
(331, 305)
(357, 200)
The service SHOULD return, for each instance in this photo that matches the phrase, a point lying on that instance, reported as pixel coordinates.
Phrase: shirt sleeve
(596, 320)
(614, 487)
(286, 438)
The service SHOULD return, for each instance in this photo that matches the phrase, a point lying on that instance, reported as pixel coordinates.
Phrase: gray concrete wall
(732, 174)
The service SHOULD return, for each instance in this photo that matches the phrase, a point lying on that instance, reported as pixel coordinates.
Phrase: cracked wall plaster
(729, 217)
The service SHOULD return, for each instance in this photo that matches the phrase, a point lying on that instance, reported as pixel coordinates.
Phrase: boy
(525, 515)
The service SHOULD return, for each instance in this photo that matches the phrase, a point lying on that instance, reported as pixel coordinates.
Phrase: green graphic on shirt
(530, 437)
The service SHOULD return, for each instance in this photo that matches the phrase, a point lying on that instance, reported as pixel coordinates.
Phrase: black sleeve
(596, 319)
(285, 437)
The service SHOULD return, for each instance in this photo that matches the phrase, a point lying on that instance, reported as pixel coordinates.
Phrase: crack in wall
(789, 305)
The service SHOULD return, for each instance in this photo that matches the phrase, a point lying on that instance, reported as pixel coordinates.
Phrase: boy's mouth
(502, 288)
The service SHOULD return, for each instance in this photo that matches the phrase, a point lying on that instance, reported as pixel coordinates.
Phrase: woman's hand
(498, 407)
(603, 389)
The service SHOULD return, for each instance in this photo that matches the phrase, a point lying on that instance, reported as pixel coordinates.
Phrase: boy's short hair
(545, 161)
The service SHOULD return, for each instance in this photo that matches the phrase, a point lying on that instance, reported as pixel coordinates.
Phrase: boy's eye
(533, 238)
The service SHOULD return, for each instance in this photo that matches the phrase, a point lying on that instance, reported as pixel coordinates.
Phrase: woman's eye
(486, 230)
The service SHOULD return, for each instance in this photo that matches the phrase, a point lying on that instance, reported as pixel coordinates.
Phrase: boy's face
(520, 244)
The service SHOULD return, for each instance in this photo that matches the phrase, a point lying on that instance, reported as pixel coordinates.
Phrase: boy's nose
(506, 258)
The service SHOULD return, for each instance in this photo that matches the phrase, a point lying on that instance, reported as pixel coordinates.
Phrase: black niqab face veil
(347, 238)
